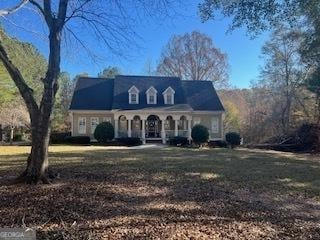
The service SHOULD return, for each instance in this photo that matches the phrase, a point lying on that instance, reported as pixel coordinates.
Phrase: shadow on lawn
(218, 189)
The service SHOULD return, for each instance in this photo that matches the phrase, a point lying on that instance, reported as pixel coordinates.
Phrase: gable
(133, 89)
(169, 90)
(151, 90)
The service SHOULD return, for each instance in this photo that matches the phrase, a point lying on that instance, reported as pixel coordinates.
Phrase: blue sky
(243, 52)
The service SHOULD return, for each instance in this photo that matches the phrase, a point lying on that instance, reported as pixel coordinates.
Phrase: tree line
(277, 102)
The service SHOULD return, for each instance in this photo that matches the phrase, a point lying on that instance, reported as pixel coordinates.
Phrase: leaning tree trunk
(37, 164)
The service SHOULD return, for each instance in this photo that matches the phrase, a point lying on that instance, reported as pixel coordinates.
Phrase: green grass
(109, 185)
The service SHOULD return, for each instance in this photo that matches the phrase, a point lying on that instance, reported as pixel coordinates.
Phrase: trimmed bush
(174, 141)
(78, 140)
(199, 134)
(104, 132)
(233, 139)
(59, 137)
(129, 141)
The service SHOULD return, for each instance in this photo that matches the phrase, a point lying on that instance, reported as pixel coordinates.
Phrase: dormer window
(134, 98)
(169, 99)
(151, 99)
(168, 96)
(151, 95)
(133, 95)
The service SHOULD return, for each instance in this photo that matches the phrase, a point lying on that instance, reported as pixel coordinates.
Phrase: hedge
(78, 140)
(174, 141)
(233, 138)
(59, 137)
(129, 141)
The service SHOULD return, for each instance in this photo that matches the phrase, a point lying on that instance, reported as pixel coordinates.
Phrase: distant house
(149, 107)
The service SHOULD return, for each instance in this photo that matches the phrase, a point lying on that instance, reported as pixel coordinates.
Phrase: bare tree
(194, 57)
(13, 116)
(283, 72)
(106, 21)
(109, 72)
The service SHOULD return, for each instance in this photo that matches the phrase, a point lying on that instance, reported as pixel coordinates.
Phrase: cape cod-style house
(149, 107)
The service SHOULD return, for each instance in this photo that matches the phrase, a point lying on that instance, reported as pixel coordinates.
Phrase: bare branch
(194, 57)
(38, 6)
(40, 35)
(76, 10)
(4, 12)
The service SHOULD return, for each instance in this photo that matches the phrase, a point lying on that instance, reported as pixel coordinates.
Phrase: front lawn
(166, 193)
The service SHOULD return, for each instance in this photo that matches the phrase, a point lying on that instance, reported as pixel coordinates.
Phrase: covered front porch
(156, 126)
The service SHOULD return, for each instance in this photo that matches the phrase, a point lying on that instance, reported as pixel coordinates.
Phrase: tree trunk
(1, 133)
(317, 109)
(37, 164)
(11, 134)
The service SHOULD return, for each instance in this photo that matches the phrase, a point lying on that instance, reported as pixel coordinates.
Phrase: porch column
(163, 131)
(143, 132)
(176, 127)
(116, 127)
(71, 120)
(0, 133)
(129, 127)
(189, 130)
(221, 126)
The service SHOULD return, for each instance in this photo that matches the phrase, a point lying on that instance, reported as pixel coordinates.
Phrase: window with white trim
(151, 99)
(133, 95)
(94, 124)
(151, 95)
(168, 96)
(134, 98)
(215, 125)
(82, 125)
(169, 99)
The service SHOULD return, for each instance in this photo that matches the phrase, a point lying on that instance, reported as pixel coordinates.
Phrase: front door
(153, 127)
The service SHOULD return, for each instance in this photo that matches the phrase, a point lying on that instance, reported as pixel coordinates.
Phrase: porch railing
(122, 134)
(183, 133)
(169, 133)
(136, 134)
(214, 135)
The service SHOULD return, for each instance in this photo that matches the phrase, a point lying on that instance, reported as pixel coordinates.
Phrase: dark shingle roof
(202, 96)
(108, 94)
(92, 94)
